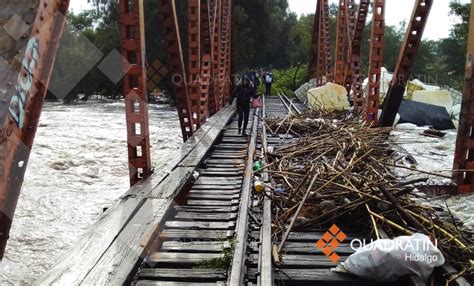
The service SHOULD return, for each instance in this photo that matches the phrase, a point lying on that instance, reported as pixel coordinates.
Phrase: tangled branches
(330, 169)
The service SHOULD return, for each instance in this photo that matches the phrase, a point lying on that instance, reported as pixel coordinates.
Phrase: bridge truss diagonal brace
(314, 52)
(324, 60)
(169, 21)
(194, 62)
(132, 33)
(341, 43)
(23, 103)
(355, 50)
(376, 62)
(406, 61)
(225, 51)
(216, 55)
(464, 155)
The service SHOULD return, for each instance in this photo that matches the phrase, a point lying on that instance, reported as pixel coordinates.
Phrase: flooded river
(78, 166)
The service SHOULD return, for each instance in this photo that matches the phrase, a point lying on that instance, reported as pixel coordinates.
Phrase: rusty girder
(351, 16)
(314, 52)
(351, 23)
(224, 69)
(326, 42)
(216, 56)
(174, 50)
(355, 49)
(341, 42)
(464, 155)
(229, 55)
(321, 47)
(376, 61)
(212, 14)
(194, 61)
(406, 61)
(206, 67)
(23, 98)
(132, 33)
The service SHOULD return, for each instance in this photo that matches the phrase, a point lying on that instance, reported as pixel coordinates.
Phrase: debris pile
(341, 168)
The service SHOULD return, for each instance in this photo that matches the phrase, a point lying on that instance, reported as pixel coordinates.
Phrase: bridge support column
(376, 62)
(464, 155)
(23, 99)
(406, 61)
(132, 33)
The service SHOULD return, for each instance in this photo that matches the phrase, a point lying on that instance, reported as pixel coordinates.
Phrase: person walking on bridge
(268, 83)
(243, 92)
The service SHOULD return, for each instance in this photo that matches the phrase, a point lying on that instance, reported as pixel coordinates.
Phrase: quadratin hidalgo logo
(330, 241)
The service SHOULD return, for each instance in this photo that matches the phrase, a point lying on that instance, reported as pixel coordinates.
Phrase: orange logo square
(330, 241)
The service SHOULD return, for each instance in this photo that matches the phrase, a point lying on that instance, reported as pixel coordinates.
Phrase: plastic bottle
(257, 166)
(258, 186)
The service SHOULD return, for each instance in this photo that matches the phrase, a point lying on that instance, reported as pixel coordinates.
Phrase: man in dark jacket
(253, 77)
(243, 92)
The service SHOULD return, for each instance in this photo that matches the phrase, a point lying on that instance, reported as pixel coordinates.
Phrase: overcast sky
(439, 22)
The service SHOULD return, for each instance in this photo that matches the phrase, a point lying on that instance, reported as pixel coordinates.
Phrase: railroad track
(219, 231)
(292, 105)
(202, 240)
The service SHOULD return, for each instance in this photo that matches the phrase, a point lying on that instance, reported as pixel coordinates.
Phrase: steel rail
(238, 263)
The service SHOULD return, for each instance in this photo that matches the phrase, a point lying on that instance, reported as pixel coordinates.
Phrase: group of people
(245, 91)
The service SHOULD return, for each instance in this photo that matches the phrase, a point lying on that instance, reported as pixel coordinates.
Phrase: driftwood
(359, 178)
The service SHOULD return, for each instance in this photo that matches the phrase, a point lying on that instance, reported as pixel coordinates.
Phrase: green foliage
(265, 34)
(288, 80)
(222, 262)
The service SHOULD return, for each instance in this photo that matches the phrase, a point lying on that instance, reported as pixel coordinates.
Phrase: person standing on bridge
(268, 83)
(253, 77)
(243, 92)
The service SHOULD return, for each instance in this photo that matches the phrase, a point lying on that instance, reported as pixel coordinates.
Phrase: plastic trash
(257, 166)
(258, 186)
(279, 189)
(387, 260)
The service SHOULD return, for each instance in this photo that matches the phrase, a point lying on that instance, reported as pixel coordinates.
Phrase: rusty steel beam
(224, 58)
(216, 55)
(23, 97)
(228, 60)
(169, 21)
(341, 42)
(132, 33)
(321, 48)
(406, 61)
(314, 52)
(351, 16)
(326, 42)
(194, 61)
(376, 62)
(212, 13)
(206, 56)
(355, 49)
(463, 167)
